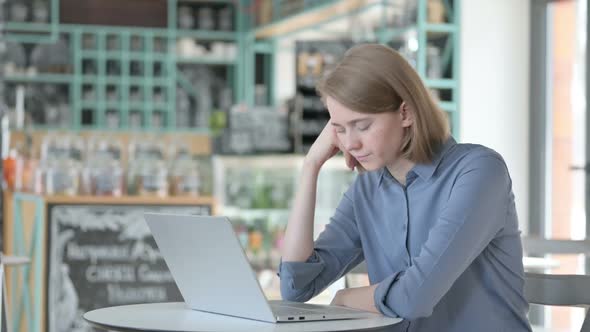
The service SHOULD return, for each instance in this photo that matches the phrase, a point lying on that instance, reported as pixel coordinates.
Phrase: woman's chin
(366, 166)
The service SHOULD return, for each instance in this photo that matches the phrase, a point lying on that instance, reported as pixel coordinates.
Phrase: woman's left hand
(357, 298)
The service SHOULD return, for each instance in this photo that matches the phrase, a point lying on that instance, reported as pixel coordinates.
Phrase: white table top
(539, 263)
(175, 316)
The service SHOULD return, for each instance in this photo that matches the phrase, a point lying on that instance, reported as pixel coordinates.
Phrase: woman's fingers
(350, 161)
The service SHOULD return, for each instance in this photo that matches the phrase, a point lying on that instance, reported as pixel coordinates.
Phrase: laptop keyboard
(292, 310)
(306, 308)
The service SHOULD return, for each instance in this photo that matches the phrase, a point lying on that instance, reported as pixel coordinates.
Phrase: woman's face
(374, 140)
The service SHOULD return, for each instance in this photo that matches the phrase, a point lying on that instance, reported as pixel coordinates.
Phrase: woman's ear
(407, 115)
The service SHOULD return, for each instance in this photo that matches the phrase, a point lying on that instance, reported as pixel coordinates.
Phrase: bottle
(225, 19)
(205, 18)
(25, 168)
(9, 170)
(40, 11)
(185, 18)
(153, 179)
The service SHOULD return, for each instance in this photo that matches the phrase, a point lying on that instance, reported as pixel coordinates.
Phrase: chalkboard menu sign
(101, 256)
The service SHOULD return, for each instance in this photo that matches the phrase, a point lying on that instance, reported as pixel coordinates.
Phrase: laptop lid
(209, 265)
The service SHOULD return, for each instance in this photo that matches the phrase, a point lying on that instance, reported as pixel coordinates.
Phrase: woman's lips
(362, 158)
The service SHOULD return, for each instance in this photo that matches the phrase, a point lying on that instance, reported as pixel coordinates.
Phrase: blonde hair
(373, 78)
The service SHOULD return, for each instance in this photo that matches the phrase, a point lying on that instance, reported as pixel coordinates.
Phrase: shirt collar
(426, 170)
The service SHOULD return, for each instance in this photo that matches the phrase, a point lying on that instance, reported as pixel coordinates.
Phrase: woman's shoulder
(468, 156)
(475, 151)
(476, 165)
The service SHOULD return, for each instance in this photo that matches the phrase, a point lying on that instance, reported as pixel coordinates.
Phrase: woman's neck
(400, 169)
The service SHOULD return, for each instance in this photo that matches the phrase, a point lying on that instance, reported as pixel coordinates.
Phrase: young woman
(434, 220)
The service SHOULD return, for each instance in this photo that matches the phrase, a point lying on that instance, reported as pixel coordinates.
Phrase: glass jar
(103, 174)
(152, 179)
(146, 148)
(62, 147)
(184, 178)
(108, 180)
(62, 177)
(103, 178)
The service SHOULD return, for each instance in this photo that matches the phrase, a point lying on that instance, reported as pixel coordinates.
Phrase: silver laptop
(213, 274)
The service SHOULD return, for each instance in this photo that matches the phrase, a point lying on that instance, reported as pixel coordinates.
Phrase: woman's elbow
(412, 310)
(289, 293)
(416, 311)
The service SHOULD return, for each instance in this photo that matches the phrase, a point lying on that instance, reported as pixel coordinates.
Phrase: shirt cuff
(299, 274)
(380, 296)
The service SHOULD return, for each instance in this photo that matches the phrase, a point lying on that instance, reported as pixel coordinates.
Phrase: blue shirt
(445, 249)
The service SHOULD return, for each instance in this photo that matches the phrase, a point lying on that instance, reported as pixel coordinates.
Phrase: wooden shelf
(206, 60)
(128, 200)
(309, 18)
(113, 200)
(39, 78)
(208, 34)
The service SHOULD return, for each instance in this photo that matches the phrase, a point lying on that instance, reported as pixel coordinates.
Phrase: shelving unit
(423, 33)
(252, 41)
(36, 32)
(125, 78)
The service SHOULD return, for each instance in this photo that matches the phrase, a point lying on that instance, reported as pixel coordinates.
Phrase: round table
(176, 316)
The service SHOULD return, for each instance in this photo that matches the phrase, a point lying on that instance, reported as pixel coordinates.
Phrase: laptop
(213, 274)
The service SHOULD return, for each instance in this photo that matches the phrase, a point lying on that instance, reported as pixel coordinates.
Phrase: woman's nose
(351, 142)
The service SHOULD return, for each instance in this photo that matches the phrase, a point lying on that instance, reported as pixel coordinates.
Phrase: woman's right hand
(324, 147)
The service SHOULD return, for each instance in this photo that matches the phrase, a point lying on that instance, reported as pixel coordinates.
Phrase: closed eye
(339, 129)
(363, 127)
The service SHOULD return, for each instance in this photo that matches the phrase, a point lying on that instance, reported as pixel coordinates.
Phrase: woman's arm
(475, 212)
(298, 242)
(307, 267)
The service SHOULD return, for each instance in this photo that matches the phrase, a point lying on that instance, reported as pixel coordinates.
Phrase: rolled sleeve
(295, 276)
(336, 251)
(381, 292)
(474, 214)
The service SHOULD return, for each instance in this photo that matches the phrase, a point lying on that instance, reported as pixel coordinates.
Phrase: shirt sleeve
(474, 214)
(336, 251)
